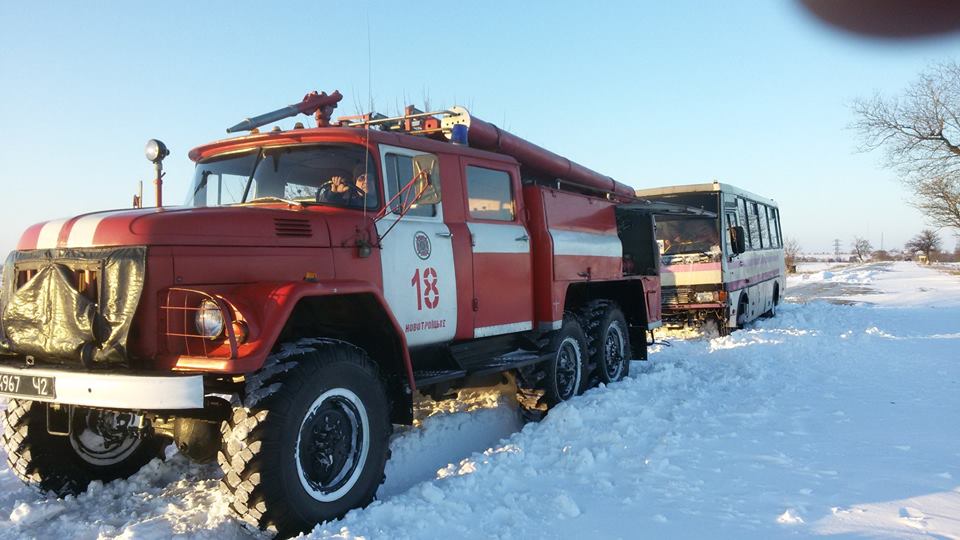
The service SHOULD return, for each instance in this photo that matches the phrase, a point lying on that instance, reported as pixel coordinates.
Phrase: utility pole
(836, 249)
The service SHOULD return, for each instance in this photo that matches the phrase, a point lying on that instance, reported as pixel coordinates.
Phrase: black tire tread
(246, 433)
(49, 463)
(592, 316)
(549, 398)
(17, 442)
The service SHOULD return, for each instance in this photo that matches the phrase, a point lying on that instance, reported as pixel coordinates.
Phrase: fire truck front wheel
(565, 369)
(310, 440)
(98, 447)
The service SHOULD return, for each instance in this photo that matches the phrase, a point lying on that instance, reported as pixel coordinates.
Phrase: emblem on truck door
(421, 245)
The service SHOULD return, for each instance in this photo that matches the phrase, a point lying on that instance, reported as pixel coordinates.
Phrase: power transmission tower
(836, 248)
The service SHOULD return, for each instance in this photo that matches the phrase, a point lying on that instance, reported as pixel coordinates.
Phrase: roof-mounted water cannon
(320, 105)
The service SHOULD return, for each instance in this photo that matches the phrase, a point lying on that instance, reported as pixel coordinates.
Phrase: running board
(427, 378)
(512, 360)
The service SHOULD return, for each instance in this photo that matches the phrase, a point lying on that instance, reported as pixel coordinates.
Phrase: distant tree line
(927, 242)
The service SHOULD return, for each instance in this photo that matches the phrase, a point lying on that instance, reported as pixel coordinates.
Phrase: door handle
(445, 234)
(523, 238)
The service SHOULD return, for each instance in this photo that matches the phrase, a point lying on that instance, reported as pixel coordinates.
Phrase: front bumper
(116, 390)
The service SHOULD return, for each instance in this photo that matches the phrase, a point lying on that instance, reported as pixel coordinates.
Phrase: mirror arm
(403, 208)
(383, 212)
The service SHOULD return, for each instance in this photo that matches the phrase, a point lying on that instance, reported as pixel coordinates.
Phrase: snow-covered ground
(830, 419)
(811, 267)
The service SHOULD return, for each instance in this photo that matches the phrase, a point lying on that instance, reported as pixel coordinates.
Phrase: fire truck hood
(246, 226)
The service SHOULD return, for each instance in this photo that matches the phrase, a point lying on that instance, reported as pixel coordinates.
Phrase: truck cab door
(502, 263)
(419, 279)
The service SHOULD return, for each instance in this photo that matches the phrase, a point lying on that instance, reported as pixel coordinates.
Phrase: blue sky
(750, 93)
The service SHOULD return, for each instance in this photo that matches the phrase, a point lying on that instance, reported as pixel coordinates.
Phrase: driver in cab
(339, 190)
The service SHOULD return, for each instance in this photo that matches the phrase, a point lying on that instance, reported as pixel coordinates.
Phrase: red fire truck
(315, 280)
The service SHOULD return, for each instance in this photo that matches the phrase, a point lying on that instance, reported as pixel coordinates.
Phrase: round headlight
(156, 150)
(209, 320)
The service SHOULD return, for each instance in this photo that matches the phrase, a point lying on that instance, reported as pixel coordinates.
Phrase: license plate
(27, 386)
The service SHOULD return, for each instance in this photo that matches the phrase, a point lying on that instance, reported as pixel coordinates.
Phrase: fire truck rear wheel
(67, 464)
(564, 371)
(608, 341)
(310, 441)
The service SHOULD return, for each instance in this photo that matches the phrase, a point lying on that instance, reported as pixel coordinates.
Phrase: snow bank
(760, 434)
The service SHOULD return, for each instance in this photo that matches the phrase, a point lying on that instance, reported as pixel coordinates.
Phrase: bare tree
(861, 248)
(925, 242)
(791, 249)
(939, 199)
(920, 134)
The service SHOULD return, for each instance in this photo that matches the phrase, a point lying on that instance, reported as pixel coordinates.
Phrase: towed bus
(722, 265)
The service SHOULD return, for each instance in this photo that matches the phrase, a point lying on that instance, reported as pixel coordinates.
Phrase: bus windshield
(335, 175)
(688, 235)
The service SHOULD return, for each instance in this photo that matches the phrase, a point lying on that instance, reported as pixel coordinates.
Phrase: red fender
(266, 307)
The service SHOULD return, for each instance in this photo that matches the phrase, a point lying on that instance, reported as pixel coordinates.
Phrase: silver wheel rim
(568, 368)
(614, 351)
(97, 449)
(351, 436)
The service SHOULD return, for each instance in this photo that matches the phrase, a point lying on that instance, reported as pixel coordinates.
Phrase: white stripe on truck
(584, 243)
(497, 238)
(81, 234)
(50, 233)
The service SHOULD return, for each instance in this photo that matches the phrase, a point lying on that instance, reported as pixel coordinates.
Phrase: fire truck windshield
(336, 175)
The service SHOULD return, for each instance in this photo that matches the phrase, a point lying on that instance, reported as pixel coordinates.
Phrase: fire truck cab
(316, 279)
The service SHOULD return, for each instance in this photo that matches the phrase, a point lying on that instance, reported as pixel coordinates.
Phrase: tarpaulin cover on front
(48, 318)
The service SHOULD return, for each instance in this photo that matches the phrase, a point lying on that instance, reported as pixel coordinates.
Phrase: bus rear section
(722, 266)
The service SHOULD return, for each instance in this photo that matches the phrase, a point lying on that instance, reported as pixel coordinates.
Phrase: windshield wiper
(253, 172)
(271, 198)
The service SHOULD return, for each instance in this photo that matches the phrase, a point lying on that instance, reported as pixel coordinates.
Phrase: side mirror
(429, 195)
(424, 190)
(738, 239)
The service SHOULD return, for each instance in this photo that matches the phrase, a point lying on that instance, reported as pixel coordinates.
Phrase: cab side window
(490, 194)
(400, 171)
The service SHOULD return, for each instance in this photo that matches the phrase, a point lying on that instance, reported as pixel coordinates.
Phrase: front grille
(678, 295)
(293, 227)
(85, 279)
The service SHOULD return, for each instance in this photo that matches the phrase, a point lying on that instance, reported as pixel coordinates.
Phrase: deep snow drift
(826, 420)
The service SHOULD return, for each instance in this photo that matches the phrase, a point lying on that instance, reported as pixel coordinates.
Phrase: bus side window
(772, 227)
(728, 234)
(775, 226)
(764, 225)
(744, 222)
(754, 226)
